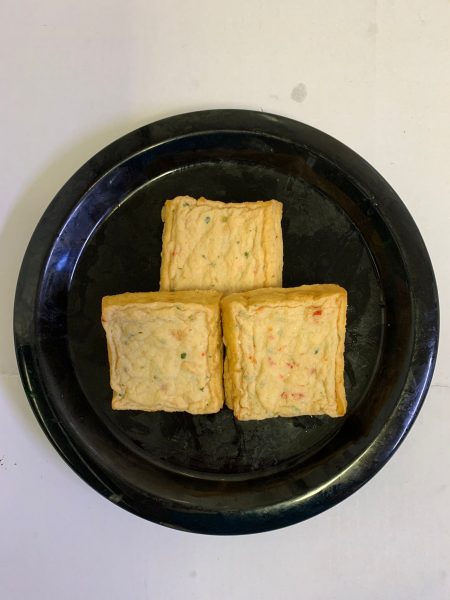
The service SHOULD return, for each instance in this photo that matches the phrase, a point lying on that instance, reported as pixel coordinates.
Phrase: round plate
(342, 223)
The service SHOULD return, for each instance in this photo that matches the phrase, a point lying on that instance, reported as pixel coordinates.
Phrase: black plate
(342, 224)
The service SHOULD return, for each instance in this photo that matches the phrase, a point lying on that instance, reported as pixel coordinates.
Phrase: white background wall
(74, 76)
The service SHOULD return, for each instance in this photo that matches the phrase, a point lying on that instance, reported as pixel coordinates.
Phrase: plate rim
(149, 136)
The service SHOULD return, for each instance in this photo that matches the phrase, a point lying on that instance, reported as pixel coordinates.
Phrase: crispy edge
(341, 401)
(203, 297)
(273, 243)
(272, 236)
(253, 205)
(168, 217)
(206, 298)
(112, 355)
(227, 383)
(272, 295)
(230, 373)
(215, 362)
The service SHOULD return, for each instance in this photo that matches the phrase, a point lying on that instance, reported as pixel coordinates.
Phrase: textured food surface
(321, 244)
(285, 352)
(229, 247)
(165, 351)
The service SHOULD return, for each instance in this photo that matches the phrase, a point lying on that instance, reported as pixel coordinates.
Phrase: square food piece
(221, 245)
(165, 351)
(285, 352)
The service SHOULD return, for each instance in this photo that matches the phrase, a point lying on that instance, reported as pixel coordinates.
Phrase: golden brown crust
(131, 311)
(203, 297)
(228, 392)
(341, 400)
(167, 217)
(231, 246)
(247, 404)
(230, 339)
(275, 295)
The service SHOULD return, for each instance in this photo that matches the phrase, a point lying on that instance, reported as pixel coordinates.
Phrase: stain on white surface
(372, 30)
(299, 92)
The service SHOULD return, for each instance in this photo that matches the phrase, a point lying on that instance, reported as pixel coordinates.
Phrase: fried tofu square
(285, 351)
(224, 246)
(165, 351)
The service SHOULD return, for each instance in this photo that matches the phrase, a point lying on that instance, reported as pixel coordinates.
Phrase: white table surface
(74, 76)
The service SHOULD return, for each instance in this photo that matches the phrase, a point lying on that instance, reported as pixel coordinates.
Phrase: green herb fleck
(185, 204)
(238, 242)
(183, 355)
(204, 256)
(316, 351)
(224, 219)
(201, 389)
(207, 219)
(246, 254)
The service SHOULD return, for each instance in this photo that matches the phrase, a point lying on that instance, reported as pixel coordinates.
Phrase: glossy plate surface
(342, 224)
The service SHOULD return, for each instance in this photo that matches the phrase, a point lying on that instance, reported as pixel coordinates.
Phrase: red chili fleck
(284, 395)
(272, 363)
(203, 354)
(317, 313)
